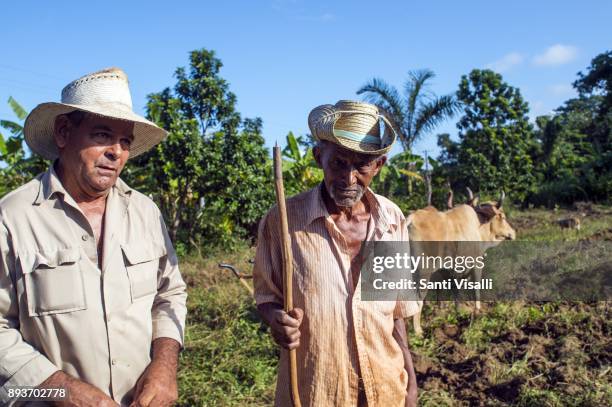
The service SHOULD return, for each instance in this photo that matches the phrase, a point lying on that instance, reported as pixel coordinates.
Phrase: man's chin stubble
(346, 202)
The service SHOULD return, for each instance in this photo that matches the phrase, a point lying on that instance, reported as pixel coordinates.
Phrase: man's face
(95, 151)
(346, 173)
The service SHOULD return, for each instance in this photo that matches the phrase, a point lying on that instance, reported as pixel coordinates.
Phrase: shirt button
(85, 237)
(114, 362)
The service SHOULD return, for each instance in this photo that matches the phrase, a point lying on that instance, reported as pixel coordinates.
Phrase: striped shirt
(342, 337)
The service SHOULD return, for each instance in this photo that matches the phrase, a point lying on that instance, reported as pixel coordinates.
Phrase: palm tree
(418, 113)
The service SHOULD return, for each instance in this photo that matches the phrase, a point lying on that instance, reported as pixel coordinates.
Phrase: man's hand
(284, 326)
(157, 385)
(80, 394)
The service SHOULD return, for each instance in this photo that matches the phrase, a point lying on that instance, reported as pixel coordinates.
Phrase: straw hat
(353, 125)
(104, 93)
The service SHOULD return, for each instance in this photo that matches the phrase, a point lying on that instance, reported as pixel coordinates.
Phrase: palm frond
(15, 128)
(410, 174)
(434, 112)
(2, 145)
(380, 93)
(415, 90)
(19, 111)
(292, 150)
(415, 87)
(388, 99)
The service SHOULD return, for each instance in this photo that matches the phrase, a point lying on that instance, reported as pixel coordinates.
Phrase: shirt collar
(50, 185)
(316, 208)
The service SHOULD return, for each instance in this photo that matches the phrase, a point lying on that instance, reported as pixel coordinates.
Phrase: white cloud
(506, 62)
(538, 108)
(561, 89)
(327, 17)
(558, 54)
(322, 18)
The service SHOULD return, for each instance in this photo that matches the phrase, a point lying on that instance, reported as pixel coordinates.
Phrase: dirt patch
(602, 235)
(563, 354)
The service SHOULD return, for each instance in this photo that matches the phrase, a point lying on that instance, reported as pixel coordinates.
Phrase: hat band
(360, 138)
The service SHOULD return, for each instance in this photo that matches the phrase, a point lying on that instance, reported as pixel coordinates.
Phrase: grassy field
(524, 354)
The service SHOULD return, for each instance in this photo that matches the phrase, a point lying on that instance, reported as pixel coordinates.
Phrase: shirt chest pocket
(142, 265)
(53, 282)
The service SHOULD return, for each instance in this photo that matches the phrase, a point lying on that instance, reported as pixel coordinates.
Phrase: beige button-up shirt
(341, 335)
(59, 310)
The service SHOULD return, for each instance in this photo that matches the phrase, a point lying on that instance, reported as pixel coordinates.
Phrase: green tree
(597, 80)
(596, 85)
(416, 112)
(210, 175)
(563, 154)
(17, 166)
(496, 142)
(575, 156)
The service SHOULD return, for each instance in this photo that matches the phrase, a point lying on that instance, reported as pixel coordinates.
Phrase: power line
(13, 68)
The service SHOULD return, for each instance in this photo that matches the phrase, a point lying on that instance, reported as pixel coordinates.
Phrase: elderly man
(91, 299)
(349, 352)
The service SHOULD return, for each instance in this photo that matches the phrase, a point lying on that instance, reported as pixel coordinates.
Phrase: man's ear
(316, 153)
(380, 162)
(61, 131)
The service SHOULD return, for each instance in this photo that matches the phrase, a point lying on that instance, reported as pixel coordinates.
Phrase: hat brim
(322, 120)
(39, 127)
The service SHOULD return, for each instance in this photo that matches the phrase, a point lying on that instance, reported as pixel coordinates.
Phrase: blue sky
(284, 57)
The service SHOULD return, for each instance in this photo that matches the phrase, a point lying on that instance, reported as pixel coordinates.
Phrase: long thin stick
(238, 275)
(287, 265)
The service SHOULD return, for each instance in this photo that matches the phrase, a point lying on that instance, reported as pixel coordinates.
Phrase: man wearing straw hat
(91, 298)
(349, 352)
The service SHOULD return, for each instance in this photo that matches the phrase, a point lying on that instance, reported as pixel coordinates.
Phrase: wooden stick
(287, 265)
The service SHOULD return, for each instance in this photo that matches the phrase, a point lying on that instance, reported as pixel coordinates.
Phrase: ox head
(493, 223)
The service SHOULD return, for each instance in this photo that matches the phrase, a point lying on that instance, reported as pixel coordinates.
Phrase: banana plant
(16, 165)
(301, 171)
(11, 149)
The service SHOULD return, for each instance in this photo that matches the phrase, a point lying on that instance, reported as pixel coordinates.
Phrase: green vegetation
(229, 357)
(512, 353)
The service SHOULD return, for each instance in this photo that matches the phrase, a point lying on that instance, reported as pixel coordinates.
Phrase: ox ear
(486, 211)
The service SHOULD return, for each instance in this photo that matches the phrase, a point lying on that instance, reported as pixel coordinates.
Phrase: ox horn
(470, 195)
(500, 202)
(472, 201)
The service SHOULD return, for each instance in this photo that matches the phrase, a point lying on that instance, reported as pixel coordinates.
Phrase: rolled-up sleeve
(405, 309)
(170, 305)
(20, 363)
(267, 276)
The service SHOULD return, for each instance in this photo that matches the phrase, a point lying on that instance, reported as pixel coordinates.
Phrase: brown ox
(469, 222)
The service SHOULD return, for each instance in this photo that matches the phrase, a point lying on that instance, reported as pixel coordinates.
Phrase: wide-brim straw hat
(353, 125)
(104, 93)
